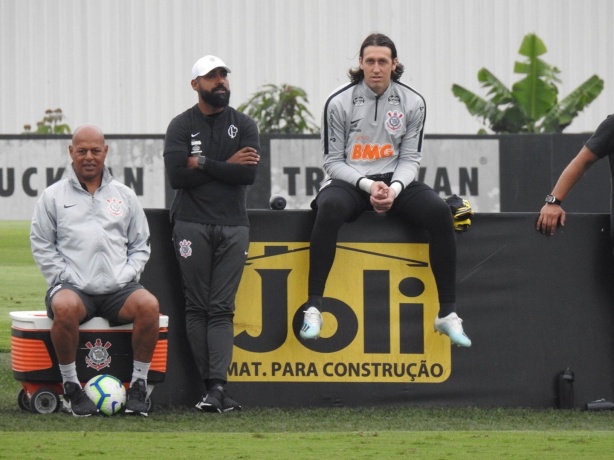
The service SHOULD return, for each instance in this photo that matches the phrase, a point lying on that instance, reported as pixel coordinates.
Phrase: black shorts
(106, 305)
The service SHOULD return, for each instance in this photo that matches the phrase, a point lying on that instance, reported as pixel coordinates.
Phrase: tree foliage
(280, 110)
(532, 105)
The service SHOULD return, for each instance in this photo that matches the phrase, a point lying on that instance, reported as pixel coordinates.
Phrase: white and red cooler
(103, 349)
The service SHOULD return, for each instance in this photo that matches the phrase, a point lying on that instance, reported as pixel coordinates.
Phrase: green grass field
(23, 287)
(266, 433)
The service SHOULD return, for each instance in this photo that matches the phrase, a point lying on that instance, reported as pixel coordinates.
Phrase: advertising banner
(467, 167)
(28, 166)
(378, 313)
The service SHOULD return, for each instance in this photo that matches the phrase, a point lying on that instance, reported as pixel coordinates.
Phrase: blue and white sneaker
(312, 323)
(451, 326)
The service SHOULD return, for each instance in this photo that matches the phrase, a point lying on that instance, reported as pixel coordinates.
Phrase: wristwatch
(551, 199)
(201, 162)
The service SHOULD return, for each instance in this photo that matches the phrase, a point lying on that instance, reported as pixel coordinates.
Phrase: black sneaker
(213, 400)
(76, 401)
(136, 398)
(229, 404)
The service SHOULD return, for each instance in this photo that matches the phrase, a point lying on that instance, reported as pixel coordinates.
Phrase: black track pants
(417, 204)
(211, 260)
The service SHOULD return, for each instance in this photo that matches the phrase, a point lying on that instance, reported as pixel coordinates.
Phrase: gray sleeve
(43, 235)
(139, 249)
(410, 154)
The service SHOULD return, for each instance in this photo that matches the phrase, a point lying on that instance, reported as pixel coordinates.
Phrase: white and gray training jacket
(98, 243)
(368, 135)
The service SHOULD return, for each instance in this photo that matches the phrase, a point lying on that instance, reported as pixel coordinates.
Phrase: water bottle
(566, 397)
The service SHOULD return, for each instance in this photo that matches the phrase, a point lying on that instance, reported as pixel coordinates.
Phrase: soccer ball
(107, 392)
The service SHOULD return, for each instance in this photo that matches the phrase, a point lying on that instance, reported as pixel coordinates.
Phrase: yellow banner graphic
(379, 307)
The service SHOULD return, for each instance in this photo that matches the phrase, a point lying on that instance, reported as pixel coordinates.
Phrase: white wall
(125, 64)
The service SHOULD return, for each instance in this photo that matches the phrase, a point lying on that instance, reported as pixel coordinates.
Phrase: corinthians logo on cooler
(98, 357)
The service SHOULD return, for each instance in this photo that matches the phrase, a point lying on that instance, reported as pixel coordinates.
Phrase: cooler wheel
(150, 404)
(44, 401)
(22, 400)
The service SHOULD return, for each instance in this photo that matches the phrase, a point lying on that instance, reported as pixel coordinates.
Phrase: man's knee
(437, 214)
(67, 307)
(141, 306)
(332, 209)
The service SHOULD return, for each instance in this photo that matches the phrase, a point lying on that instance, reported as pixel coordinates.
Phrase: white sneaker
(312, 323)
(451, 326)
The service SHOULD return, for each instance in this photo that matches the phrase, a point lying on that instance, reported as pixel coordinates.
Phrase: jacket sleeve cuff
(365, 184)
(397, 187)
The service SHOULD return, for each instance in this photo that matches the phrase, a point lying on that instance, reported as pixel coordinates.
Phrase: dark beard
(219, 100)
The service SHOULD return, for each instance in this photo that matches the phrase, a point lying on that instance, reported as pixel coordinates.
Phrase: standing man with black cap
(211, 155)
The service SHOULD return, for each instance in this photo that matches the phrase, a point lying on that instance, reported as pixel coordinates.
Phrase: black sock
(213, 383)
(315, 300)
(445, 308)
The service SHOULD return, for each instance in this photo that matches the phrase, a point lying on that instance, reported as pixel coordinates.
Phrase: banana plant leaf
(536, 94)
(535, 97)
(511, 120)
(532, 46)
(500, 93)
(531, 106)
(476, 105)
(561, 116)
